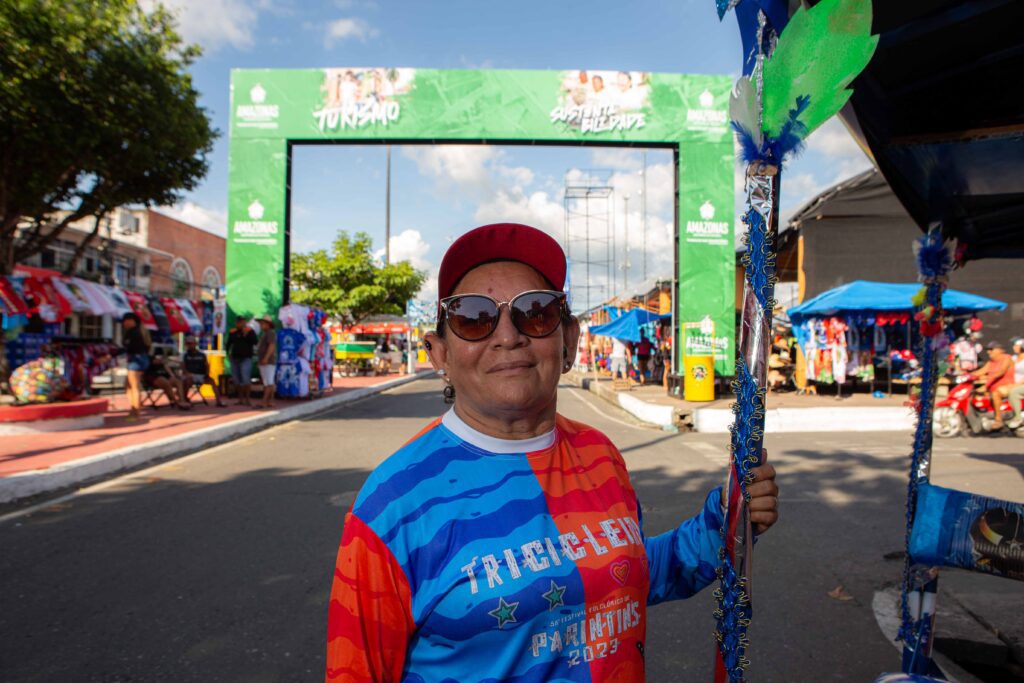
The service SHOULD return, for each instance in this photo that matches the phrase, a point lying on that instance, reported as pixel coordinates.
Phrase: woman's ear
(571, 341)
(437, 350)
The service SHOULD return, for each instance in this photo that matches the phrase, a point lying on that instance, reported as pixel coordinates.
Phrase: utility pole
(625, 264)
(643, 206)
(387, 212)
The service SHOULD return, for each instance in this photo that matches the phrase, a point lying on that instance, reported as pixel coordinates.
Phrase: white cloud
(211, 220)
(797, 190)
(348, 28)
(468, 171)
(833, 140)
(618, 158)
(215, 23)
(409, 246)
(538, 209)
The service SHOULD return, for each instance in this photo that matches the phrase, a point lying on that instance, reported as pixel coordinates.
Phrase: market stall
(66, 328)
(846, 333)
(304, 359)
(369, 346)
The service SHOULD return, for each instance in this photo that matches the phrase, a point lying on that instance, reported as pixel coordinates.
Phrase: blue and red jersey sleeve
(369, 621)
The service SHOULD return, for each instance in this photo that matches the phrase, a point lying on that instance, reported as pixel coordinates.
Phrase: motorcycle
(968, 412)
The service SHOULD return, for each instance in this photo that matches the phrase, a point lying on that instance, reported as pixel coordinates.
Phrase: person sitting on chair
(197, 371)
(159, 376)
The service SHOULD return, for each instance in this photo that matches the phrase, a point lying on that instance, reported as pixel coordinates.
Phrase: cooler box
(216, 362)
(699, 378)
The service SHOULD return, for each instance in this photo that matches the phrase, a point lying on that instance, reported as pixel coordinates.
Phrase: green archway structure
(274, 109)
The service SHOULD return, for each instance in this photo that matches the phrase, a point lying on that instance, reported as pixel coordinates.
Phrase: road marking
(586, 402)
(716, 454)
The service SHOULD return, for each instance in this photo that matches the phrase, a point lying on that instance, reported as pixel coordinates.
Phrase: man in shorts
(266, 359)
(197, 370)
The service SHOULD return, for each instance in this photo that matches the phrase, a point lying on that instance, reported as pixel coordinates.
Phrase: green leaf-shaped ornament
(819, 53)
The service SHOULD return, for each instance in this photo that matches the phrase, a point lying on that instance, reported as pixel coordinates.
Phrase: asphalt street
(217, 566)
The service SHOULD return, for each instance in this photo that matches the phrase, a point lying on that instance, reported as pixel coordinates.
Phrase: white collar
(457, 426)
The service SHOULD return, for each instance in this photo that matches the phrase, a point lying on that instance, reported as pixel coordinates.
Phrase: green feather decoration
(818, 54)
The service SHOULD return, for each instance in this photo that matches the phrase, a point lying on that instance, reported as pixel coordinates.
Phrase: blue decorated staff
(796, 72)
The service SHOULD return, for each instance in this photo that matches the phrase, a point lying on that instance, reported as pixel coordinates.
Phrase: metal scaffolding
(589, 237)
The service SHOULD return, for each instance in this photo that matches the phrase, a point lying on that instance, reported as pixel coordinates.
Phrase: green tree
(346, 282)
(97, 109)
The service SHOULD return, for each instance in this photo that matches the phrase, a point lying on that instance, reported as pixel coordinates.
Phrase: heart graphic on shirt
(620, 571)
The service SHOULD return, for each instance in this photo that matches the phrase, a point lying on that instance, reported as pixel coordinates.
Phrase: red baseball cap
(502, 242)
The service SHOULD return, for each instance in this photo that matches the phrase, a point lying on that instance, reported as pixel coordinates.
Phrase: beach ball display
(38, 381)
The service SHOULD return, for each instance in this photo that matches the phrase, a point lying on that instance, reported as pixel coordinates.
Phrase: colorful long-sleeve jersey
(465, 560)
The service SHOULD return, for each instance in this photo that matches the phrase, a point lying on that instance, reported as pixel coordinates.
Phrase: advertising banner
(271, 109)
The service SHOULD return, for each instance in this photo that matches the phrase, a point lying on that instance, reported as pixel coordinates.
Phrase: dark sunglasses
(473, 317)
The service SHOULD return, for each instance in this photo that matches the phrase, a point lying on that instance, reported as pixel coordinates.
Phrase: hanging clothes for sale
(292, 377)
(95, 295)
(141, 308)
(195, 323)
(47, 302)
(296, 317)
(163, 324)
(16, 320)
(72, 295)
(175, 318)
(119, 299)
(11, 302)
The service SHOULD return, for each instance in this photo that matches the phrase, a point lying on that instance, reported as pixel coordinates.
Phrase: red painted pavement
(53, 411)
(40, 451)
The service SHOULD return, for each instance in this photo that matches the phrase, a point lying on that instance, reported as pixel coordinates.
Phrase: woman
(266, 359)
(1016, 393)
(505, 541)
(135, 342)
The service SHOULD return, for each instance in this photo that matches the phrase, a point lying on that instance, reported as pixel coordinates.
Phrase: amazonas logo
(257, 114)
(706, 116)
(707, 228)
(255, 230)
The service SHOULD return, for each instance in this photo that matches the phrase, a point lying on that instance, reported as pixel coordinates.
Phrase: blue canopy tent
(865, 296)
(627, 326)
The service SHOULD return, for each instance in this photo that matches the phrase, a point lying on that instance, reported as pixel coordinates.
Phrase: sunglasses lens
(536, 314)
(472, 317)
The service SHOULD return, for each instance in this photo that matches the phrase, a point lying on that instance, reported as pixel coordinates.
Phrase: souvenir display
(305, 361)
(39, 381)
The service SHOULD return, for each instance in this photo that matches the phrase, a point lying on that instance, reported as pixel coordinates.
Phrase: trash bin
(216, 362)
(699, 380)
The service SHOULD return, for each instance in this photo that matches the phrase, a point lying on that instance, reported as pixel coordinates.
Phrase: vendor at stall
(197, 370)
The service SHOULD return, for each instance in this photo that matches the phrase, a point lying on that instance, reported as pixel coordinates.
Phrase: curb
(22, 485)
(777, 420)
(662, 416)
(812, 419)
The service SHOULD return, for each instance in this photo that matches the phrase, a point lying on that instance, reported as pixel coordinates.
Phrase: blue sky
(439, 192)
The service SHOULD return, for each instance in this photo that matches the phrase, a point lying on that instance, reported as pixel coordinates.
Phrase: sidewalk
(785, 412)
(34, 464)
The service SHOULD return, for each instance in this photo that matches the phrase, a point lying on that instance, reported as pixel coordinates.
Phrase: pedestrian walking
(504, 541)
(643, 356)
(266, 358)
(240, 346)
(619, 361)
(136, 343)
